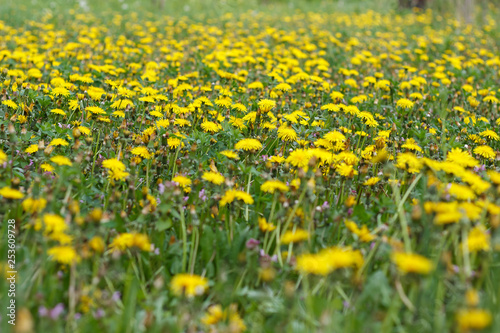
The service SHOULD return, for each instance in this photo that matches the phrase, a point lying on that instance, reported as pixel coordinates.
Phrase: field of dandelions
(257, 172)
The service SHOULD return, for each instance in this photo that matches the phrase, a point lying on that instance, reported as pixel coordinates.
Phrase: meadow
(256, 166)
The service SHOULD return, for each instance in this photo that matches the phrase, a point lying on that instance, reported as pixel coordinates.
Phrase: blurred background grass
(17, 11)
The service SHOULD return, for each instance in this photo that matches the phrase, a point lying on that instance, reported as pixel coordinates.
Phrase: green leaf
(164, 225)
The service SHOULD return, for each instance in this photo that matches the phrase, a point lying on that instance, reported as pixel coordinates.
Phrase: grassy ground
(17, 11)
(274, 166)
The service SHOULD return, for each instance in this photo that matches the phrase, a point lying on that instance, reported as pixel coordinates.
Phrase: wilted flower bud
(48, 150)
(76, 133)
(11, 129)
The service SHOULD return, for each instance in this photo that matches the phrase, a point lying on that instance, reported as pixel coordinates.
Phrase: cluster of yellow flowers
(331, 135)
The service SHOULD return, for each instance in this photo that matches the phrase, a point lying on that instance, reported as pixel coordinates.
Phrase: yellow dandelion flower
(334, 137)
(412, 263)
(97, 244)
(276, 159)
(473, 319)
(232, 195)
(211, 127)
(130, 240)
(490, 135)
(33, 206)
(299, 158)
(478, 239)
(462, 158)
(229, 154)
(31, 149)
(118, 174)
(485, 151)
(84, 130)
(58, 142)
(95, 110)
(346, 170)
(372, 181)
(411, 145)
(3, 157)
(10, 193)
(405, 103)
(248, 144)
(189, 285)
(58, 111)
(329, 260)
(266, 105)
(10, 104)
(213, 177)
(61, 160)
(271, 186)
(54, 223)
(264, 226)
(47, 167)
(64, 254)
(113, 164)
(287, 134)
(142, 152)
(60, 91)
(294, 236)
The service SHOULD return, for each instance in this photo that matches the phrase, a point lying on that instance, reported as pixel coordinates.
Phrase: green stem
(195, 240)
(271, 216)
(248, 191)
(287, 223)
(184, 238)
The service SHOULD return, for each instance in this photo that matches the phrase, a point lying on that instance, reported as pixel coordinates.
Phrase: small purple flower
(349, 211)
(265, 256)
(56, 311)
(42, 311)
(78, 316)
(116, 296)
(99, 314)
(264, 157)
(479, 168)
(252, 243)
(202, 195)
(169, 183)
(155, 250)
(161, 188)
